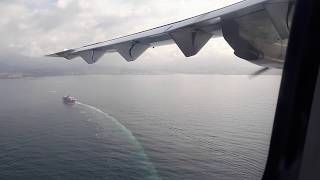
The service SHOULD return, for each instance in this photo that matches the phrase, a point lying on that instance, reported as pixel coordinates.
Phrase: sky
(30, 29)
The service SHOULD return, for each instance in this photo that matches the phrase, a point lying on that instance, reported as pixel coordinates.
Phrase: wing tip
(52, 55)
(65, 54)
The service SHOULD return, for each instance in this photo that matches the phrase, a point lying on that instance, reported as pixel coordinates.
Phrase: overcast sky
(30, 29)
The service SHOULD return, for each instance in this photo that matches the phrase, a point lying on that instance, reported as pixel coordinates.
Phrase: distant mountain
(16, 67)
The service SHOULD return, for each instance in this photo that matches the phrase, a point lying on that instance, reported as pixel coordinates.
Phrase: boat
(69, 99)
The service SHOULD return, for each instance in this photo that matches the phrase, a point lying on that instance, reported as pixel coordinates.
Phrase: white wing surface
(257, 30)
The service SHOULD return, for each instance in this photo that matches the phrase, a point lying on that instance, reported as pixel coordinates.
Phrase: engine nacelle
(260, 37)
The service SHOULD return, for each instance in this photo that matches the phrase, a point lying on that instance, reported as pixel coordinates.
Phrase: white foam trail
(122, 127)
(127, 131)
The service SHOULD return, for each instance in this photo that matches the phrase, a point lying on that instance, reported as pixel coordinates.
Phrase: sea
(137, 127)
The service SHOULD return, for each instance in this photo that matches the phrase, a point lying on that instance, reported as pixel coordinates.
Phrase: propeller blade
(259, 72)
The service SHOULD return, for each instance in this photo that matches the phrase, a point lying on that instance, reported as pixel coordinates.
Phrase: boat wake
(129, 134)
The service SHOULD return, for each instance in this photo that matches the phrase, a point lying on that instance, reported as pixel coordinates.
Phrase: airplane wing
(257, 30)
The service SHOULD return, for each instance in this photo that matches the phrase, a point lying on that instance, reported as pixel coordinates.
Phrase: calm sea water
(137, 127)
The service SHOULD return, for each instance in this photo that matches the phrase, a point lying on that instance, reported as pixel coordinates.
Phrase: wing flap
(190, 40)
(91, 56)
(130, 51)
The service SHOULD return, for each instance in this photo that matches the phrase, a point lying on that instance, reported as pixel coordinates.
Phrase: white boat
(69, 99)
